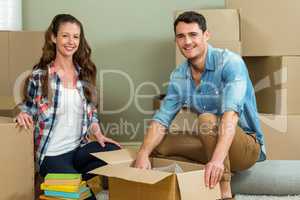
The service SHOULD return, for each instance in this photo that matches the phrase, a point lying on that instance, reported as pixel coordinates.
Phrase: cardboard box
(275, 80)
(268, 28)
(4, 75)
(17, 162)
(8, 106)
(223, 35)
(281, 136)
(128, 183)
(19, 52)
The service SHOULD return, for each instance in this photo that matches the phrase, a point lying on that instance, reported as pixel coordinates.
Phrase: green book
(64, 176)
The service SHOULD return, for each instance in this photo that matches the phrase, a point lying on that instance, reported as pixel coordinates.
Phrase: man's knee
(208, 124)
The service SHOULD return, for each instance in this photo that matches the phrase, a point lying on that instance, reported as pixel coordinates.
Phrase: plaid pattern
(44, 111)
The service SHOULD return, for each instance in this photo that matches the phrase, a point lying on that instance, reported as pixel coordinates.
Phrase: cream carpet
(104, 196)
(260, 197)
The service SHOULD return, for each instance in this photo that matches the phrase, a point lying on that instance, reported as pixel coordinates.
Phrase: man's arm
(154, 136)
(161, 121)
(225, 136)
(234, 76)
(215, 167)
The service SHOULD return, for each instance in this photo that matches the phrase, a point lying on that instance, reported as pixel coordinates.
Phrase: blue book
(71, 195)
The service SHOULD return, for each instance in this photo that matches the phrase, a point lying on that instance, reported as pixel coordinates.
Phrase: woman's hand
(102, 139)
(24, 120)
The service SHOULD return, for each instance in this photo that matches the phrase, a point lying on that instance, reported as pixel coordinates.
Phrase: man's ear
(53, 38)
(207, 35)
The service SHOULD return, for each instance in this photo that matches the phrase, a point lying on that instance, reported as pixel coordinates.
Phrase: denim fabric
(225, 86)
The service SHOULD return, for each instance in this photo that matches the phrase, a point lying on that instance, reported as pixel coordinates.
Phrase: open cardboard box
(129, 183)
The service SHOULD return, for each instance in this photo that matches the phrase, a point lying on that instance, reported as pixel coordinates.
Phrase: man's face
(191, 40)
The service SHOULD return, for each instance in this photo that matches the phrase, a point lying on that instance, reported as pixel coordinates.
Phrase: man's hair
(191, 17)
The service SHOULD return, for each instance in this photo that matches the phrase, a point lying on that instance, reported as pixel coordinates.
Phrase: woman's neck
(65, 64)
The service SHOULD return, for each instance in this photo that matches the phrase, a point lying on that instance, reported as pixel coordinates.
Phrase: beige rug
(104, 196)
(260, 197)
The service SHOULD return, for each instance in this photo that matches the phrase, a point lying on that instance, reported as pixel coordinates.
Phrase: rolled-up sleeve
(95, 117)
(170, 105)
(29, 105)
(235, 76)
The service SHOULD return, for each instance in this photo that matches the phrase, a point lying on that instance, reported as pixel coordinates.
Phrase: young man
(215, 83)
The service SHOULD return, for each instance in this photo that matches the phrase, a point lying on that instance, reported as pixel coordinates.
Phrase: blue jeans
(77, 161)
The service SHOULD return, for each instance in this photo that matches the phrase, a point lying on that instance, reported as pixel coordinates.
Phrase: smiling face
(67, 39)
(191, 40)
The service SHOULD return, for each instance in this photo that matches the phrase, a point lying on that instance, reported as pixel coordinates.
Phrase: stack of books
(64, 187)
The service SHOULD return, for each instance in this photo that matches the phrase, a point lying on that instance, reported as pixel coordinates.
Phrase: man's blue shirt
(225, 86)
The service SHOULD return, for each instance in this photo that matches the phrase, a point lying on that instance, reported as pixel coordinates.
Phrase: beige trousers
(243, 153)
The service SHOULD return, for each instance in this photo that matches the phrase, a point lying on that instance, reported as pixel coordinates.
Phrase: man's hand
(213, 173)
(142, 161)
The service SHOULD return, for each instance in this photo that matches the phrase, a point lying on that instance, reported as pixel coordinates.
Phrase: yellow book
(63, 188)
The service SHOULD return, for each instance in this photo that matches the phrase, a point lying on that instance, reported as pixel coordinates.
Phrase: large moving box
(17, 162)
(223, 35)
(19, 51)
(128, 183)
(268, 27)
(276, 83)
(281, 136)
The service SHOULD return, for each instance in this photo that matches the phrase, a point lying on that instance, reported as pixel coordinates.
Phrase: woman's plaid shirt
(43, 111)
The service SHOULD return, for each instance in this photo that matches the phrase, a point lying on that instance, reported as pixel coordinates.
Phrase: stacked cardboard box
(272, 34)
(223, 35)
(19, 51)
(17, 163)
(268, 28)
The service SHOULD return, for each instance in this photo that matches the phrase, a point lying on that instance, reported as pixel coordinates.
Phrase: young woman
(60, 102)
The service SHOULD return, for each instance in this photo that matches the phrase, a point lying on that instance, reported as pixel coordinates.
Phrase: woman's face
(67, 40)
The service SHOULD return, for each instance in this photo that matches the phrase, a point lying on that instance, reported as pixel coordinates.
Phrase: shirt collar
(209, 62)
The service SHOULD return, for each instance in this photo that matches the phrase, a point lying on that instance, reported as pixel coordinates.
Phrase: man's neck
(198, 64)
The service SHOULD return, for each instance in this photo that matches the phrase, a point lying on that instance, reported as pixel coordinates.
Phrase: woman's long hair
(82, 57)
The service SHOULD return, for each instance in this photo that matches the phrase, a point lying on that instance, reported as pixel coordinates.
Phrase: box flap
(131, 174)
(6, 120)
(117, 157)
(191, 186)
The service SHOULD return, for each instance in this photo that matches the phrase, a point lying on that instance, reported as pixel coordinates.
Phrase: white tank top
(66, 134)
